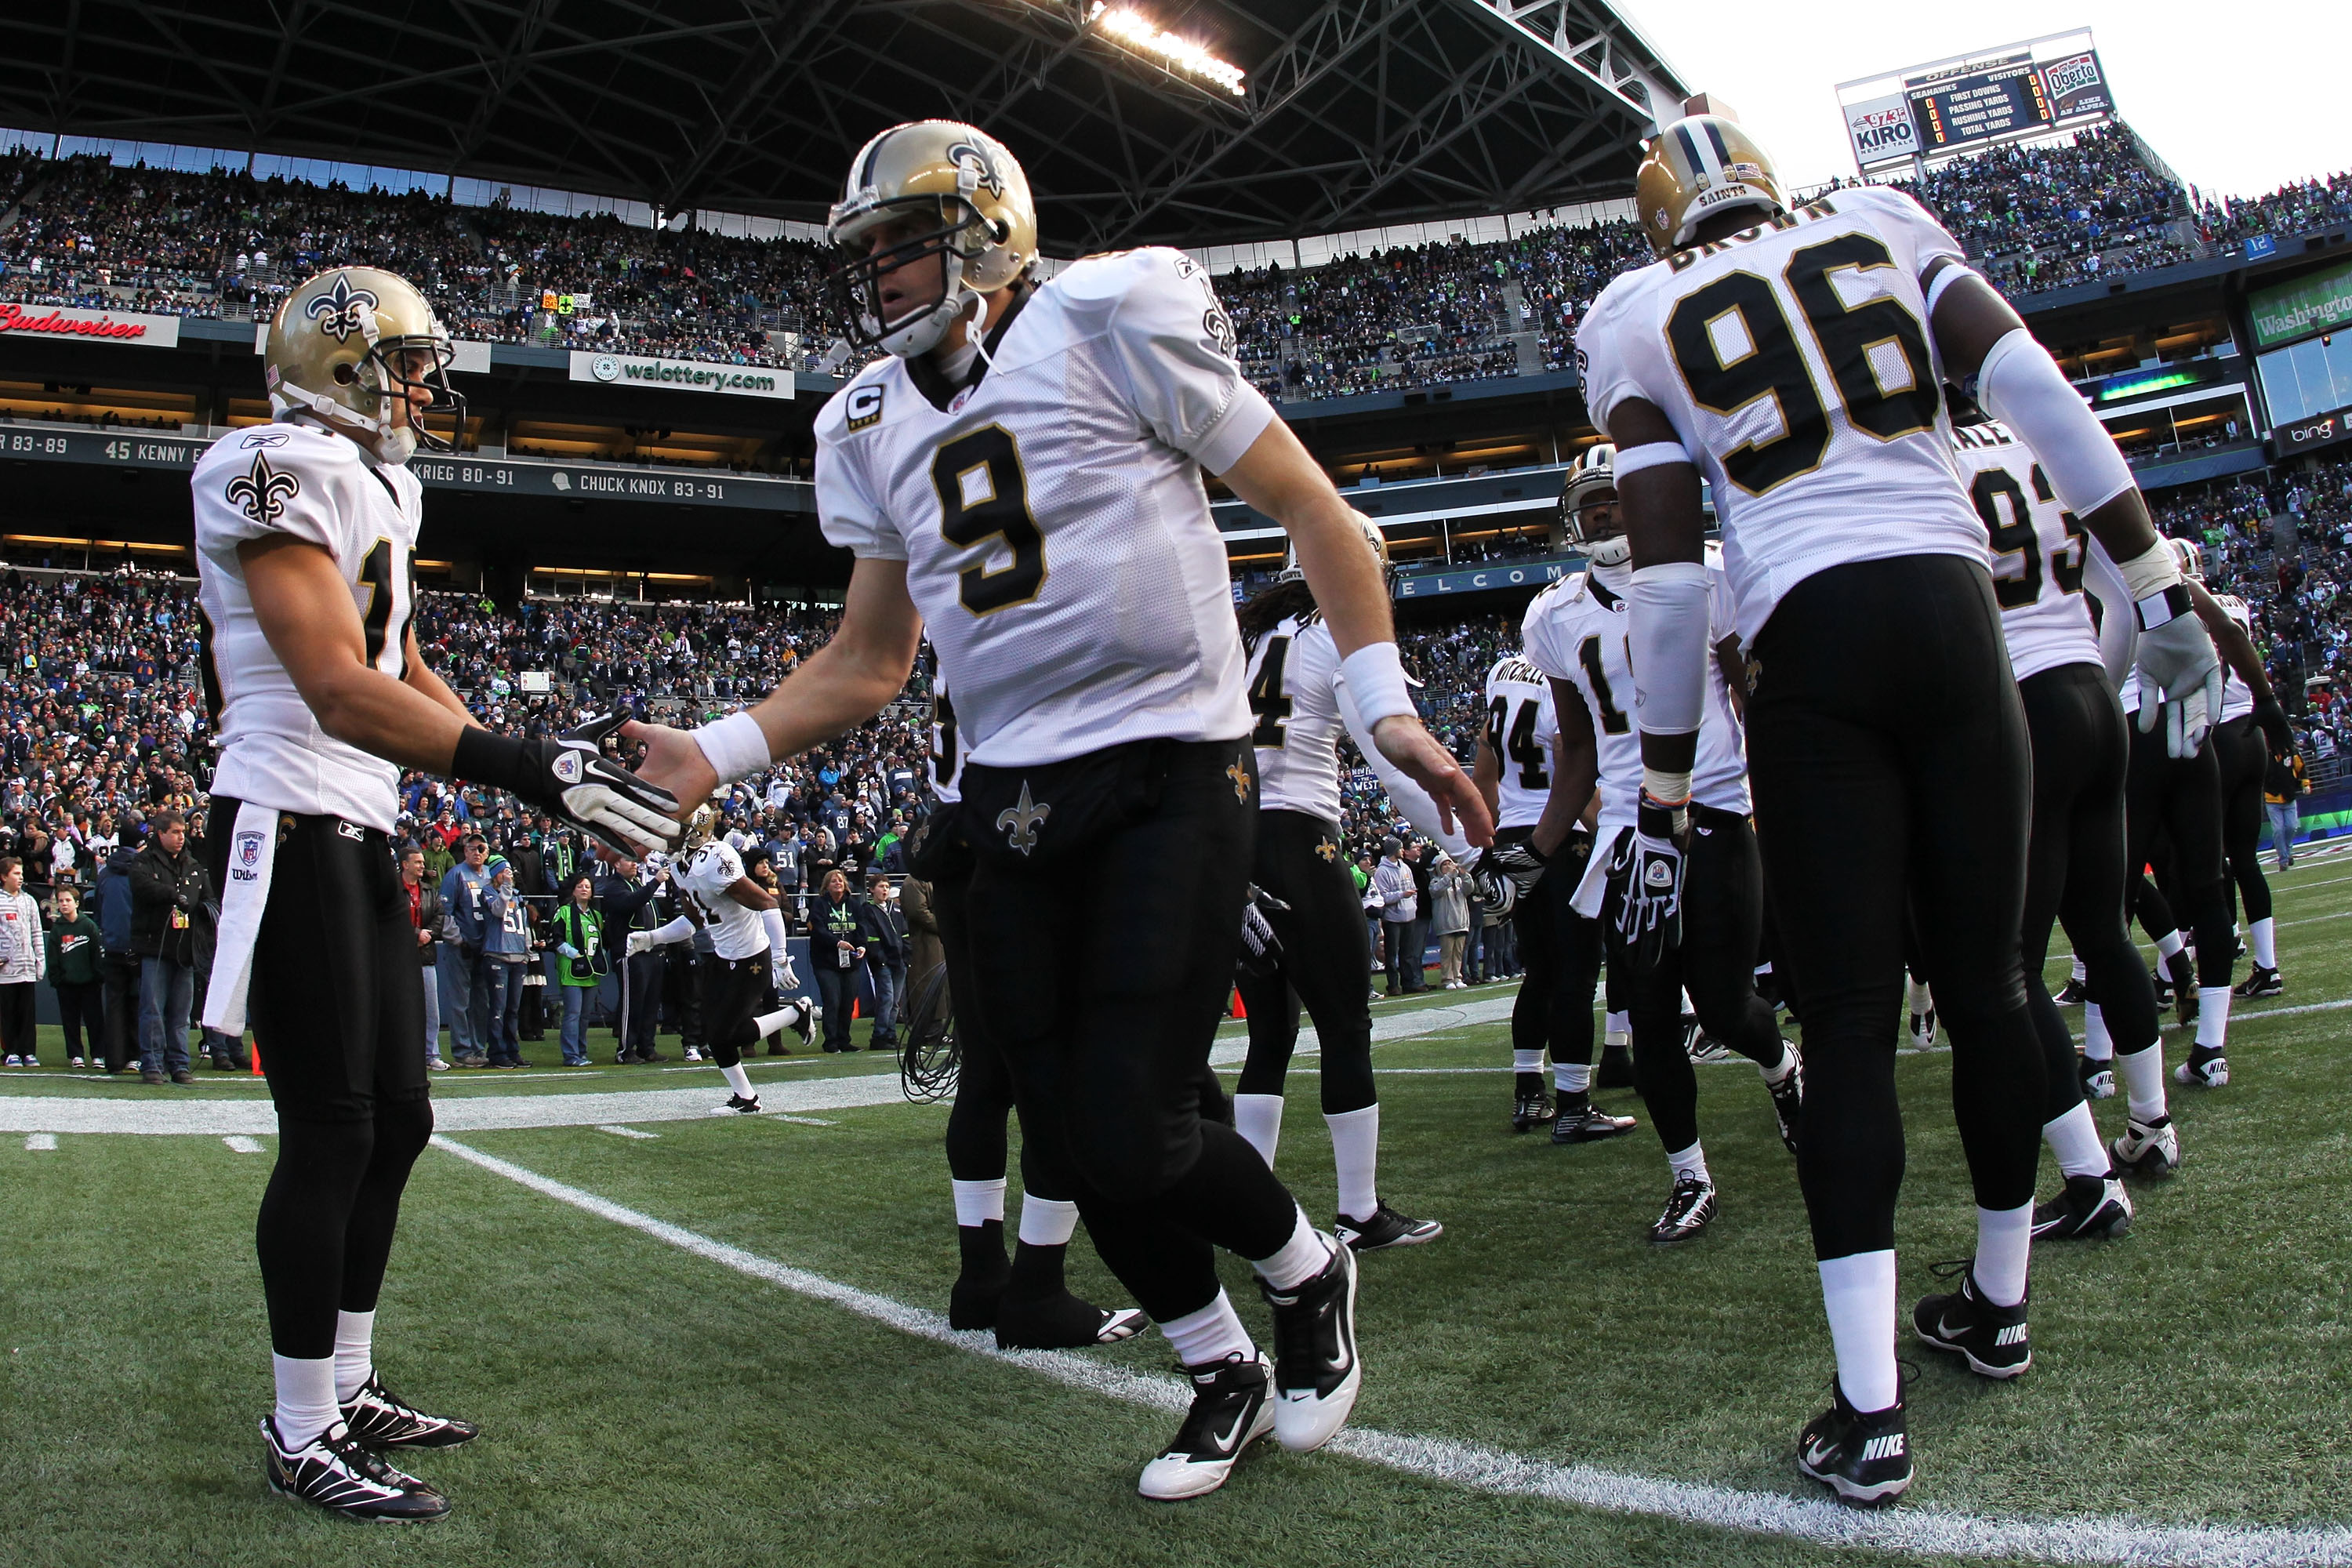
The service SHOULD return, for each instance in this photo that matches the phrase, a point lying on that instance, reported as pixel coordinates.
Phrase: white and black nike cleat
(1864, 1456)
(2098, 1074)
(2149, 1148)
(1062, 1323)
(2073, 994)
(1788, 1102)
(1385, 1229)
(2260, 981)
(334, 1472)
(805, 1026)
(1923, 1030)
(1706, 1048)
(1529, 1111)
(1993, 1339)
(1233, 1406)
(1580, 1122)
(1690, 1207)
(379, 1418)
(2206, 1067)
(1317, 1370)
(2087, 1208)
(741, 1104)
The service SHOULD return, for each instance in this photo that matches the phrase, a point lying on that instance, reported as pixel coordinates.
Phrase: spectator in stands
(74, 946)
(2283, 788)
(424, 920)
(168, 889)
(465, 982)
(1392, 883)
(23, 962)
(886, 958)
(1449, 898)
(118, 962)
(506, 951)
(838, 934)
(577, 934)
(625, 896)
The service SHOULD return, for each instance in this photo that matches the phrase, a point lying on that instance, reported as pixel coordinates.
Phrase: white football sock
(2073, 1140)
(1617, 1029)
(1258, 1119)
(1919, 997)
(2004, 1242)
(771, 1023)
(1690, 1162)
(739, 1080)
(1301, 1258)
(306, 1398)
(2081, 970)
(1048, 1221)
(2144, 1082)
(1208, 1335)
(1572, 1077)
(977, 1202)
(2264, 938)
(1858, 1290)
(2097, 1044)
(1780, 1070)
(2212, 1016)
(2171, 942)
(354, 1354)
(1527, 1061)
(1356, 1156)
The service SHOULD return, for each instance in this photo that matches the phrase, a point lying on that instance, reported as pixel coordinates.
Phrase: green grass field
(658, 1398)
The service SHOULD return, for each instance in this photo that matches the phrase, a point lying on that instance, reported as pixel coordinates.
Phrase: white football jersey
(1520, 723)
(736, 932)
(299, 480)
(1793, 360)
(1057, 535)
(1577, 630)
(2237, 697)
(2039, 551)
(1302, 705)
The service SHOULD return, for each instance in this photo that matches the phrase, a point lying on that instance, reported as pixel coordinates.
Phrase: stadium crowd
(84, 231)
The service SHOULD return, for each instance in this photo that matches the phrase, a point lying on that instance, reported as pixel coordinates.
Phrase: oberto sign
(682, 375)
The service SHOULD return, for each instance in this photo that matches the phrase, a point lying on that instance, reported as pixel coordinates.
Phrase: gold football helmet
(700, 827)
(1700, 165)
(338, 350)
(1604, 543)
(986, 234)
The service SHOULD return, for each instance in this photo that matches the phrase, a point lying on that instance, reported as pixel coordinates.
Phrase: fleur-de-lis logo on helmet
(262, 492)
(337, 312)
(975, 160)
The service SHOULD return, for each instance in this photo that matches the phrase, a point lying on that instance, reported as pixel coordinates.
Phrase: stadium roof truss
(1354, 113)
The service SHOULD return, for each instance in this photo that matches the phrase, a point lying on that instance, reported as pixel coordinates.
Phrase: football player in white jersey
(304, 528)
(2175, 796)
(1027, 1302)
(1020, 476)
(1575, 632)
(1314, 950)
(748, 950)
(2244, 738)
(1792, 358)
(2074, 871)
(1541, 847)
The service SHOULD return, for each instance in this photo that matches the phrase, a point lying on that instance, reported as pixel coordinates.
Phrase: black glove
(572, 780)
(2276, 728)
(1650, 919)
(1261, 949)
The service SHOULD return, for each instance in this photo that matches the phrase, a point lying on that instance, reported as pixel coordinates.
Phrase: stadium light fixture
(1131, 28)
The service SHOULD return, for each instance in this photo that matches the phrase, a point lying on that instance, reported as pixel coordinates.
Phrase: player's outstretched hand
(572, 780)
(674, 761)
(2179, 674)
(1416, 754)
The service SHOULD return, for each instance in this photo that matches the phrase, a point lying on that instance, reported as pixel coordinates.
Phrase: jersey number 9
(984, 494)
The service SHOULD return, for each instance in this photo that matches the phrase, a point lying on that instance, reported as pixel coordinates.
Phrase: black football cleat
(804, 1025)
(1788, 1102)
(2148, 1148)
(379, 1418)
(1385, 1229)
(2087, 1208)
(2260, 981)
(1531, 1111)
(1062, 1323)
(1993, 1340)
(1690, 1208)
(338, 1475)
(1616, 1069)
(1317, 1370)
(2098, 1074)
(2207, 1067)
(2163, 983)
(741, 1105)
(1581, 1121)
(1863, 1457)
(2183, 969)
(2073, 994)
(1232, 1408)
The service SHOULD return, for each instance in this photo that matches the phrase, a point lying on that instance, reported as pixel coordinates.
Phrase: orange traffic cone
(1237, 1010)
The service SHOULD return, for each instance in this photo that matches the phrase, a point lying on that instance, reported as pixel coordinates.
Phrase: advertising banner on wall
(93, 326)
(2077, 85)
(681, 374)
(1881, 129)
(2318, 303)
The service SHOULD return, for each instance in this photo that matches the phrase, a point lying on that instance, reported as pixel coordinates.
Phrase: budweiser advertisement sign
(98, 326)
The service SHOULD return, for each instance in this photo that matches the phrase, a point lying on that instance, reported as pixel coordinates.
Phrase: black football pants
(1326, 955)
(1106, 1005)
(2243, 754)
(2182, 798)
(1888, 752)
(1559, 956)
(2075, 870)
(1723, 922)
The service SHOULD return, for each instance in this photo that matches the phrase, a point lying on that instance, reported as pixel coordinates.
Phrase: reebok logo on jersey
(1889, 1446)
(864, 408)
(264, 438)
(351, 830)
(261, 492)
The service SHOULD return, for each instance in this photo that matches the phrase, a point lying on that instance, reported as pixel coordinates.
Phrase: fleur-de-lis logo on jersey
(262, 492)
(1328, 850)
(1239, 776)
(1019, 821)
(338, 310)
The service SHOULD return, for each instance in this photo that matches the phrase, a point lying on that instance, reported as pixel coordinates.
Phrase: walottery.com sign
(682, 375)
(2297, 310)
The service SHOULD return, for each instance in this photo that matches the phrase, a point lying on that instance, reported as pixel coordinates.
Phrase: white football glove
(572, 780)
(1261, 949)
(1649, 920)
(640, 942)
(2180, 673)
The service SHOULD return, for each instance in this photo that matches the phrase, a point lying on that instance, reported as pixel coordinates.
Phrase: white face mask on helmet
(982, 229)
(1593, 474)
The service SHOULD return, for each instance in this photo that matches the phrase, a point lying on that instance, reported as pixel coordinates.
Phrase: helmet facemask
(962, 234)
(384, 373)
(1600, 533)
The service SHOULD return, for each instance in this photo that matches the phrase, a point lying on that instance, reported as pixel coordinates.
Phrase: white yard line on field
(1920, 1531)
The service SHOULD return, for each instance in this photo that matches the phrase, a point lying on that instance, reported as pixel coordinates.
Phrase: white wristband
(1945, 279)
(1666, 789)
(2149, 573)
(1655, 454)
(1376, 684)
(734, 746)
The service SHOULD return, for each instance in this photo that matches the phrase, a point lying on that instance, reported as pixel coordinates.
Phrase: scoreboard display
(2004, 100)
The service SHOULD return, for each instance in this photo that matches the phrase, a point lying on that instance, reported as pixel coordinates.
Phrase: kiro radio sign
(1881, 129)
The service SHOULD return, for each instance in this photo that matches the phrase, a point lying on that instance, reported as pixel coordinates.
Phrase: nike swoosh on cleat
(1818, 1452)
